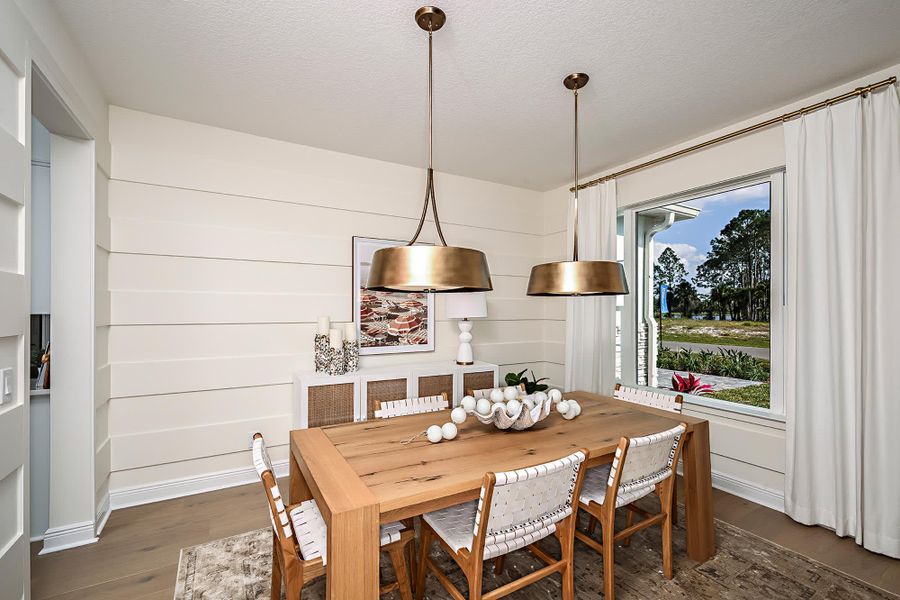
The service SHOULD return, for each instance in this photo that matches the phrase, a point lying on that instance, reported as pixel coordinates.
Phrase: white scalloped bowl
(525, 419)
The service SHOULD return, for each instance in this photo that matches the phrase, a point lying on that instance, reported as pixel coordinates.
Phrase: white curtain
(843, 339)
(591, 320)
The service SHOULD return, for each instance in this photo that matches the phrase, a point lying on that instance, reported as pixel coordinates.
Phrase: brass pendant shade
(439, 268)
(577, 277)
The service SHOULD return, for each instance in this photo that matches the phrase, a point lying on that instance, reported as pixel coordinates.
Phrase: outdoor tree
(736, 269)
(669, 269)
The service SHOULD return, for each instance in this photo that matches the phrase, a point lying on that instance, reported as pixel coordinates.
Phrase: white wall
(225, 248)
(748, 452)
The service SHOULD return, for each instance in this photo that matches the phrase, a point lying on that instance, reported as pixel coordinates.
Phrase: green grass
(753, 395)
(726, 333)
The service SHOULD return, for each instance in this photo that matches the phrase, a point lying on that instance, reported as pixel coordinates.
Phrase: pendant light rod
(575, 211)
(429, 25)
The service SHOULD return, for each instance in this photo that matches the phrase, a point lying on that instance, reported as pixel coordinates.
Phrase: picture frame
(388, 322)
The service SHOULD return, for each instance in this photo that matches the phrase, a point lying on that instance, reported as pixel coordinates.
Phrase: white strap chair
(516, 509)
(411, 406)
(642, 466)
(299, 535)
(648, 398)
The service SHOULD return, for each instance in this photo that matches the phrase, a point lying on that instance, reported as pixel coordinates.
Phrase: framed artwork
(388, 322)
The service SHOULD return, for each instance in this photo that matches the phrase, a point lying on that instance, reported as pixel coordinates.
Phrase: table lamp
(465, 306)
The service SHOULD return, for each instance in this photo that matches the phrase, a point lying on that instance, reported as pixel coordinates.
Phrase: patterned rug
(745, 566)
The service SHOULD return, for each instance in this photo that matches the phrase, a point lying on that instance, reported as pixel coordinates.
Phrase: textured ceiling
(351, 76)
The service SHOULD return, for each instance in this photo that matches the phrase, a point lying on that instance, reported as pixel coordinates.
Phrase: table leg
(353, 553)
(701, 535)
(298, 490)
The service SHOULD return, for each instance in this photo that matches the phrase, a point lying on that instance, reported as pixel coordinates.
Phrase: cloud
(691, 256)
(759, 191)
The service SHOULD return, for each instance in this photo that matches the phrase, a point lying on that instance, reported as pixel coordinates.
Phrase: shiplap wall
(225, 247)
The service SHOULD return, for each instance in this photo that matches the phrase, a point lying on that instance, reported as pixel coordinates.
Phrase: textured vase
(334, 364)
(321, 353)
(351, 356)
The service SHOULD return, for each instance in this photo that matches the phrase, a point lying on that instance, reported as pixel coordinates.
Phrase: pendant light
(577, 277)
(436, 268)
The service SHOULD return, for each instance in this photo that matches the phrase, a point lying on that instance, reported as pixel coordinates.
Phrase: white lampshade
(471, 305)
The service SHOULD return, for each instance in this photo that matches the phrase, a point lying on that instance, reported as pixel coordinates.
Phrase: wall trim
(749, 491)
(68, 536)
(186, 486)
(103, 512)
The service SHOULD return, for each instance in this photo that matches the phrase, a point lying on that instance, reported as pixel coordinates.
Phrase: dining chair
(515, 510)
(641, 466)
(299, 534)
(411, 406)
(656, 400)
(486, 392)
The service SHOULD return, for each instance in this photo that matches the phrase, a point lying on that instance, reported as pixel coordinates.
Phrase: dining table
(366, 473)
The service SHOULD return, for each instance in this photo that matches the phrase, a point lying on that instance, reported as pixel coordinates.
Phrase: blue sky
(690, 239)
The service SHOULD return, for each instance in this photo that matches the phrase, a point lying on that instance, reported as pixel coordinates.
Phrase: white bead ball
(468, 403)
(510, 393)
(555, 395)
(529, 403)
(513, 407)
(483, 406)
(569, 415)
(448, 430)
(562, 406)
(540, 397)
(458, 415)
(434, 434)
(574, 408)
(497, 395)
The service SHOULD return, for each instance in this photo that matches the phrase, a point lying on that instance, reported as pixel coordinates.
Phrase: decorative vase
(321, 353)
(351, 356)
(335, 361)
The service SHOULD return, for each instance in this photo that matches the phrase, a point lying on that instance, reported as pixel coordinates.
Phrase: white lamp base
(464, 355)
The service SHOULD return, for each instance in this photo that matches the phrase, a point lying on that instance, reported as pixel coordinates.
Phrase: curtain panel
(843, 330)
(591, 320)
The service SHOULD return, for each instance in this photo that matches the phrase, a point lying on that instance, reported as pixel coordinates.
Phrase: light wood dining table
(362, 474)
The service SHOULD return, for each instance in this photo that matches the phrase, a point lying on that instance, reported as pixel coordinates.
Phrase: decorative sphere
(562, 406)
(497, 395)
(569, 415)
(458, 415)
(510, 393)
(434, 434)
(555, 395)
(513, 407)
(483, 406)
(468, 403)
(540, 397)
(528, 402)
(448, 430)
(574, 407)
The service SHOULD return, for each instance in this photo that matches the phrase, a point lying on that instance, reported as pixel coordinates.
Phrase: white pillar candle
(337, 338)
(350, 331)
(324, 325)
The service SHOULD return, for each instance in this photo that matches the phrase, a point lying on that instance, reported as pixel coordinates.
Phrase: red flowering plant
(691, 385)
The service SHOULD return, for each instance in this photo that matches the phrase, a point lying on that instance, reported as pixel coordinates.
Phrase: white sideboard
(319, 399)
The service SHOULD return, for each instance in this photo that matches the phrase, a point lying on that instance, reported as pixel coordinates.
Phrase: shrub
(725, 363)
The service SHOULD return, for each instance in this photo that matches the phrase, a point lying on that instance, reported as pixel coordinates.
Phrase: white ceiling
(351, 76)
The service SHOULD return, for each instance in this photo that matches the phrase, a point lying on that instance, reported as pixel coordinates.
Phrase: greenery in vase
(531, 385)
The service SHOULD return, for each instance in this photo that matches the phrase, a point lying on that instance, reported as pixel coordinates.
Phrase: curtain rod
(860, 91)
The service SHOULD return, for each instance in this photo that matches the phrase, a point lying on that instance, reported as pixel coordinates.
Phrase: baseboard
(103, 512)
(68, 536)
(749, 491)
(187, 486)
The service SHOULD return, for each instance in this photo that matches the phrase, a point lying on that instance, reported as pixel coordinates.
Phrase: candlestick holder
(351, 356)
(321, 352)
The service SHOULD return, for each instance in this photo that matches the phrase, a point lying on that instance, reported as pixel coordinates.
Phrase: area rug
(745, 566)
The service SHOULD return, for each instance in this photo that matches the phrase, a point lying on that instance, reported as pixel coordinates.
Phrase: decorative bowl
(525, 419)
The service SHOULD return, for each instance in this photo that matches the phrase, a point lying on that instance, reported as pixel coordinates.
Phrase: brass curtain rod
(860, 91)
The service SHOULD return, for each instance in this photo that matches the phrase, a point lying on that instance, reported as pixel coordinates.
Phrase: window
(704, 315)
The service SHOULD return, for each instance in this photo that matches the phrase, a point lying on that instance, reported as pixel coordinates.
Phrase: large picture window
(704, 316)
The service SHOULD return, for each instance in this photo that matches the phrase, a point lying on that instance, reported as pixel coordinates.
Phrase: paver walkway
(664, 377)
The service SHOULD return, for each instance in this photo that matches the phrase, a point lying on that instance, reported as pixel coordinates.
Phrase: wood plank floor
(137, 555)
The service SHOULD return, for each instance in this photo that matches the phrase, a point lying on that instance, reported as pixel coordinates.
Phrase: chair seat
(595, 485)
(456, 526)
(312, 531)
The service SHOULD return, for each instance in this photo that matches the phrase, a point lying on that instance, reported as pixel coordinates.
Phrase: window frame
(778, 293)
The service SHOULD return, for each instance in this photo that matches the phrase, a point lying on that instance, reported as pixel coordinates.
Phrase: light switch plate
(6, 385)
